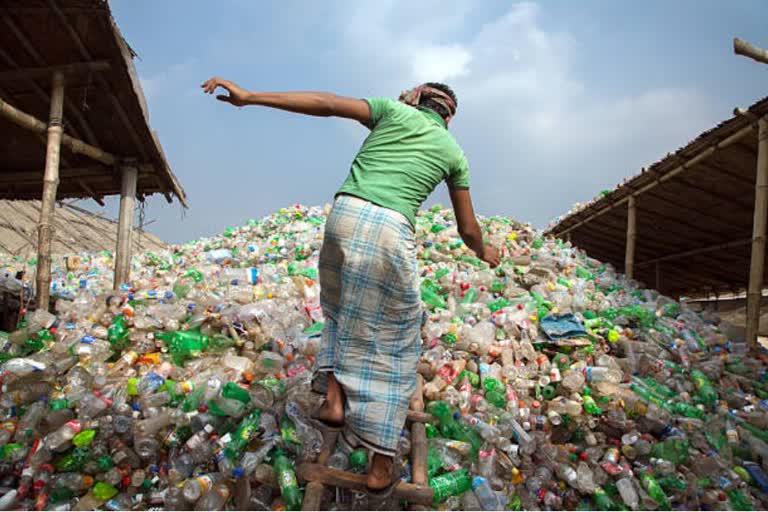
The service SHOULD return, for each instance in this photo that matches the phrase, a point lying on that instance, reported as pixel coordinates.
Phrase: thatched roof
(103, 102)
(75, 230)
(694, 213)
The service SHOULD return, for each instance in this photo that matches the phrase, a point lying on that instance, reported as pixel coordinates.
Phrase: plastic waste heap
(552, 381)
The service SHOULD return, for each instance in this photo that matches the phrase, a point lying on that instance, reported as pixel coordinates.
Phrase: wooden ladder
(418, 494)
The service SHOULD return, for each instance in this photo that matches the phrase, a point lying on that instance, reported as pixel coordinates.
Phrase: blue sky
(557, 99)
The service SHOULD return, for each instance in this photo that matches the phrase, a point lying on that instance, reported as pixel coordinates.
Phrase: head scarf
(413, 97)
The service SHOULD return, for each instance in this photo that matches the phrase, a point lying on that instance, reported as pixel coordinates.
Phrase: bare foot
(380, 475)
(332, 411)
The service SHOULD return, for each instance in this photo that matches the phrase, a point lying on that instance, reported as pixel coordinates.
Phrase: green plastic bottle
(430, 294)
(658, 388)
(590, 406)
(674, 450)
(651, 485)
(286, 478)
(450, 484)
(117, 333)
(705, 391)
(234, 391)
(737, 500)
(358, 460)
(242, 435)
(184, 344)
(470, 296)
(452, 429)
(602, 500)
(687, 410)
(434, 464)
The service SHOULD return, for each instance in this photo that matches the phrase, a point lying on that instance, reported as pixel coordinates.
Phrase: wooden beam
(71, 111)
(7, 176)
(693, 252)
(757, 261)
(125, 226)
(316, 473)
(88, 190)
(46, 71)
(35, 125)
(50, 183)
(85, 54)
(629, 258)
(742, 47)
(691, 163)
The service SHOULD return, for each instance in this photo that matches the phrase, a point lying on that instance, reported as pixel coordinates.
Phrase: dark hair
(432, 105)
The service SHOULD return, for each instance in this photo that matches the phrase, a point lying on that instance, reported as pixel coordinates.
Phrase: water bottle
(486, 496)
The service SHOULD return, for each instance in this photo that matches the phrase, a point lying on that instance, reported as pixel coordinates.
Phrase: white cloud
(529, 124)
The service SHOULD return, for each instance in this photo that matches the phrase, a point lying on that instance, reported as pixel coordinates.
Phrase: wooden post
(125, 225)
(418, 441)
(568, 237)
(755, 289)
(50, 184)
(629, 260)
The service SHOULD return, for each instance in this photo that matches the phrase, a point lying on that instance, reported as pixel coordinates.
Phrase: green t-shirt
(407, 154)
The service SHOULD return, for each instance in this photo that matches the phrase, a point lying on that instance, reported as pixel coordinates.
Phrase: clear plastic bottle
(486, 496)
(215, 498)
(195, 488)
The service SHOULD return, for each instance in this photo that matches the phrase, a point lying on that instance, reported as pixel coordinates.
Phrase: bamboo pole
(629, 258)
(31, 123)
(742, 47)
(50, 184)
(755, 288)
(125, 225)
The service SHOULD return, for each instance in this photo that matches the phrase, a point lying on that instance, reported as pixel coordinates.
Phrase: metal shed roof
(694, 213)
(103, 102)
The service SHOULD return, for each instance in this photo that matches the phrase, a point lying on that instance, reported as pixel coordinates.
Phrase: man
(368, 268)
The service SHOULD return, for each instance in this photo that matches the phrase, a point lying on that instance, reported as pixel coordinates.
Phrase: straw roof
(694, 212)
(75, 230)
(104, 105)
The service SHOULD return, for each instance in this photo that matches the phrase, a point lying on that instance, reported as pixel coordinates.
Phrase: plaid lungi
(369, 291)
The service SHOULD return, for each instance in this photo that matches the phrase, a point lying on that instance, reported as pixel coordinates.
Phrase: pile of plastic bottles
(553, 383)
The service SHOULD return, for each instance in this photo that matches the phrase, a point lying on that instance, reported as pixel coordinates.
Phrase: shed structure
(693, 223)
(74, 120)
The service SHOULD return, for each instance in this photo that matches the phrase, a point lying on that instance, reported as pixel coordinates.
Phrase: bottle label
(206, 482)
(287, 479)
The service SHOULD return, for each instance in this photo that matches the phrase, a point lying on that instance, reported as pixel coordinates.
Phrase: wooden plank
(316, 473)
(313, 493)
(45, 71)
(742, 47)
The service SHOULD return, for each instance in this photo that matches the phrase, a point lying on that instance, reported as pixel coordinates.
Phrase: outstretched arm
(321, 104)
(469, 229)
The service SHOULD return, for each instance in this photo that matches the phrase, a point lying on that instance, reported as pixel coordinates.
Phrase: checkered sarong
(372, 306)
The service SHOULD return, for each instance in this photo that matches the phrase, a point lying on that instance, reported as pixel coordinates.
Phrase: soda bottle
(654, 490)
(450, 484)
(451, 428)
(704, 389)
(242, 435)
(118, 333)
(602, 500)
(627, 492)
(195, 488)
(737, 499)
(215, 498)
(590, 406)
(286, 477)
(63, 435)
(96, 497)
(486, 496)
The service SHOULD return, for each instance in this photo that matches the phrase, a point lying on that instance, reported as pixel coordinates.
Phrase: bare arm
(320, 104)
(469, 229)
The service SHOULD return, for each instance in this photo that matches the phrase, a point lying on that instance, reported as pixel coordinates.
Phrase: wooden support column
(629, 259)
(50, 184)
(755, 288)
(125, 224)
(418, 441)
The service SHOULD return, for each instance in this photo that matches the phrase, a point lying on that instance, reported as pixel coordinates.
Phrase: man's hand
(491, 256)
(237, 95)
